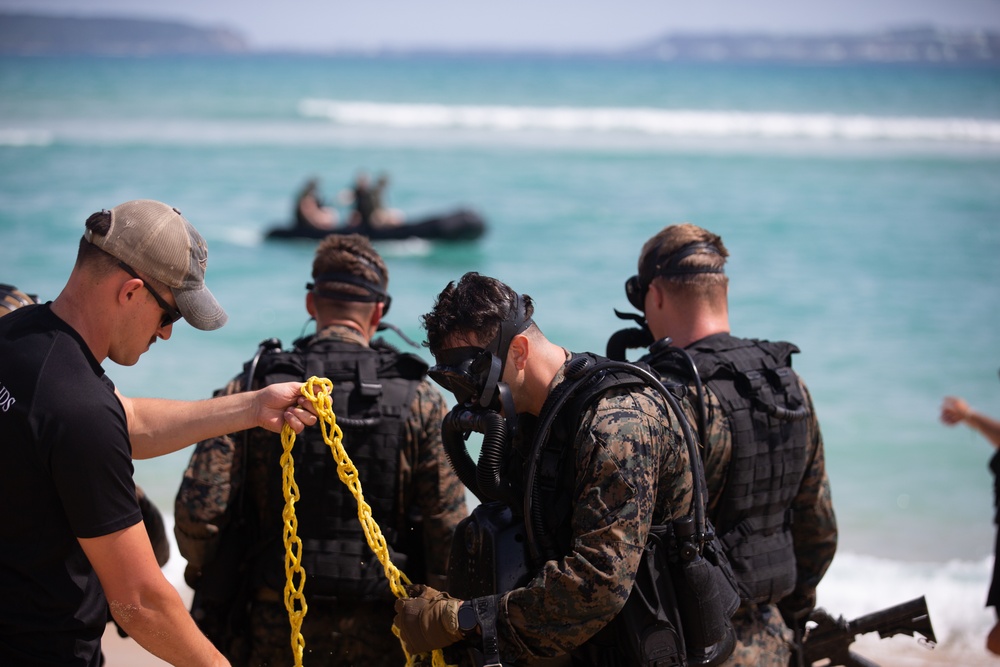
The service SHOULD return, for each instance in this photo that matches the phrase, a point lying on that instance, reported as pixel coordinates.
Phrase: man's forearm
(160, 426)
(988, 427)
(163, 626)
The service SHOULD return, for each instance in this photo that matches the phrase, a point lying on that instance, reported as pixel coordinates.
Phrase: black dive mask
(636, 287)
(473, 374)
(470, 373)
(375, 292)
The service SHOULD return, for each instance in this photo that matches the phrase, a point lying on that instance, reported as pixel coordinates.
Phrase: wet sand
(900, 651)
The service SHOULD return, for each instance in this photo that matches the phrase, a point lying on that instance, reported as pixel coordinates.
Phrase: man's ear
(517, 353)
(659, 294)
(375, 318)
(128, 289)
(311, 304)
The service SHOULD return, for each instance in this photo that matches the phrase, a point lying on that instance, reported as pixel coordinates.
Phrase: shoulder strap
(588, 377)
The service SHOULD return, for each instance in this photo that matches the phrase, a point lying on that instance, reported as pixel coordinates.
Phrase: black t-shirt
(66, 474)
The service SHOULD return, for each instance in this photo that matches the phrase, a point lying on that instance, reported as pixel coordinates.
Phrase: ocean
(861, 205)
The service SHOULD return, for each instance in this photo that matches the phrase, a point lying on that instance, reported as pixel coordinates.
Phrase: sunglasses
(170, 314)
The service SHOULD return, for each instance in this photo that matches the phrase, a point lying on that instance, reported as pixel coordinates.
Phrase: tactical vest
(373, 389)
(760, 395)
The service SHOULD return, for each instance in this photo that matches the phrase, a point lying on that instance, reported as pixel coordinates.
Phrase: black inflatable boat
(458, 225)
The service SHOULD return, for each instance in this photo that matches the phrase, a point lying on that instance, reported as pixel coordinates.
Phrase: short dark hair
(98, 223)
(351, 254)
(473, 310)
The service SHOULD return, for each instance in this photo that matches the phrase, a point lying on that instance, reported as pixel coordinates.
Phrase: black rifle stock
(831, 639)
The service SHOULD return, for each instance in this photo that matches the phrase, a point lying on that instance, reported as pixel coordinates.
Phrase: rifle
(831, 639)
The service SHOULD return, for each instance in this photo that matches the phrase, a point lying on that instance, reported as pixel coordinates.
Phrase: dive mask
(375, 292)
(470, 373)
(636, 287)
(473, 374)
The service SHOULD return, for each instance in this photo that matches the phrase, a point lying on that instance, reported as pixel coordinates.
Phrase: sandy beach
(900, 651)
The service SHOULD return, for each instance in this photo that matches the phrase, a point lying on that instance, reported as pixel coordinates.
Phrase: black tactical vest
(373, 389)
(760, 395)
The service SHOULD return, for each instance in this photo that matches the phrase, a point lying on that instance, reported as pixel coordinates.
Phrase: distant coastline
(50, 35)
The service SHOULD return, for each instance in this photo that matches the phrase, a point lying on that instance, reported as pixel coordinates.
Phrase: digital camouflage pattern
(762, 638)
(346, 633)
(814, 530)
(632, 469)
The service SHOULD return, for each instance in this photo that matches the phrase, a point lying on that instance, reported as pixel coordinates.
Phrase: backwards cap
(157, 240)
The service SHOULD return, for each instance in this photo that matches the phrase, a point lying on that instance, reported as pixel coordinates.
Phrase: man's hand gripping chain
(319, 391)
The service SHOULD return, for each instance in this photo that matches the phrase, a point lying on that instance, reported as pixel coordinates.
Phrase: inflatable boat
(458, 225)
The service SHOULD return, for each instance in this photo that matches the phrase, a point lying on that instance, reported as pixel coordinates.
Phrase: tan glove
(427, 620)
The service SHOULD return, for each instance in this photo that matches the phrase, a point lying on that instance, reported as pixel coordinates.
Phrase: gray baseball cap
(155, 239)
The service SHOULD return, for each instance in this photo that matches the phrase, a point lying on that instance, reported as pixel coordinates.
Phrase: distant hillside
(28, 34)
(916, 45)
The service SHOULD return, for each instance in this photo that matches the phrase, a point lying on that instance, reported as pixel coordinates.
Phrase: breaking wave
(650, 121)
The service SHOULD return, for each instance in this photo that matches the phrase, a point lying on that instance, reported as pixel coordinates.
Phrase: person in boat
(228, 512)
(624, 468)
(368, 201)
(72, 541)
(382, 215)
(310, 211)
(956, 410)
(361, 197)
(769, 493)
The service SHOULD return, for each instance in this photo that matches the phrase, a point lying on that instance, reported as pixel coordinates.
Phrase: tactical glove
(795, 610)
(427, 620)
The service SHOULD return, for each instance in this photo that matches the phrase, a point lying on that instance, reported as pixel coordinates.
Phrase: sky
(522, 24)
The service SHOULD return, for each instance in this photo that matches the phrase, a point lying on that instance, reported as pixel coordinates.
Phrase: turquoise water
(861, 205)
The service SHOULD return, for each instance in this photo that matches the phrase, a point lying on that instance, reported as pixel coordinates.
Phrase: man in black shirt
(72, 542)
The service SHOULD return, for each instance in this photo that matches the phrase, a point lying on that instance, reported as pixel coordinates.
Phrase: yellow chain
(319, 391)
(295, 601)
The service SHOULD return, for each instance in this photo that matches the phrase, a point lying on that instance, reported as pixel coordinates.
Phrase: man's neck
(350, 324)
(550, 358)
(73, 307)
(692, 334)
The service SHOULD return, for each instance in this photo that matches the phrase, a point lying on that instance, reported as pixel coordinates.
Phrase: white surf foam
(650, 121)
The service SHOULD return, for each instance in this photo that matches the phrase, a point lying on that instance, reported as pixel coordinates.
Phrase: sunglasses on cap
(636, 288)
(170, 313)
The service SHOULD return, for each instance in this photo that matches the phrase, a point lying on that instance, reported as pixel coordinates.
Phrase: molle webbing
(373, 389)
(761, 396)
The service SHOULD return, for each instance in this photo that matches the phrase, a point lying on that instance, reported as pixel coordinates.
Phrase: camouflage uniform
(342, 632)
(632, 469)
(763, 638)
